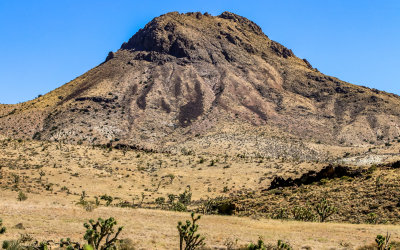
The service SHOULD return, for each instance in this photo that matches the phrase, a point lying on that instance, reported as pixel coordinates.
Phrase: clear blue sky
(44, 44)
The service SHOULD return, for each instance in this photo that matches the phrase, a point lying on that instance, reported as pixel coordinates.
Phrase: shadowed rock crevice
(328, 172)
(141, 101)
(193, 109)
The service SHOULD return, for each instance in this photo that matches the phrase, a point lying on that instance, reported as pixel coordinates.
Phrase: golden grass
(52, 218)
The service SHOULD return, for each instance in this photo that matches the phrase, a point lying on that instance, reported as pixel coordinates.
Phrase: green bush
(257, 246)
(283, 245)
(21, 196)
(303, 214)
(107, 198)
(186, 196)
(179, 207)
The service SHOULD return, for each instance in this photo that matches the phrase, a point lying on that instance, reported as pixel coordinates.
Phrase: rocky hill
(196, 82)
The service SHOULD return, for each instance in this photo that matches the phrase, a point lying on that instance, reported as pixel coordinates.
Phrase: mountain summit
(208, 83)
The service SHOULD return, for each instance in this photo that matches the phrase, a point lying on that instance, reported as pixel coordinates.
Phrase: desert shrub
(231, 244)
(171, 178)
(82, 200)
(218, 205)
(15, 179)
(280, 214)
(25, 241)
(372, 218)
(89, 207)
(186, 196)
(179, 207)
(2, 229)
(102, 229)
(125, 204)
(283, 245)
(324, 210)
(107, 198)
(12, 245)
(260, 245)
(160, 200)
(21, 196)
(303, 214)
(171, 198)
(188, 238)
(371, 169)
(125, 244)
(69, 245)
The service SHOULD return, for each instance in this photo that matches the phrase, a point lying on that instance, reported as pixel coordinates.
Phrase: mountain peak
(203, 37)
(242, 20)
(196, 79)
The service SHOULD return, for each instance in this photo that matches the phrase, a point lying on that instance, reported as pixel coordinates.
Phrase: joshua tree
(324, 209)
(102, 230)
(188, 239)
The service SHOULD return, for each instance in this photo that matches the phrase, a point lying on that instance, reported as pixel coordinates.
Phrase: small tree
(188, 236)
(21, 196)
(186, 196)
(324, 209)
(102, 229)
(2, 229)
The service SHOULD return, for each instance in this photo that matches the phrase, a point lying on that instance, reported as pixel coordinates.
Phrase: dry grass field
(54, 217)
(54, 175)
